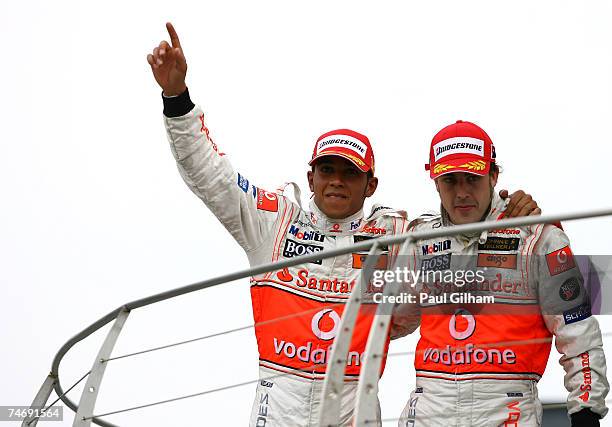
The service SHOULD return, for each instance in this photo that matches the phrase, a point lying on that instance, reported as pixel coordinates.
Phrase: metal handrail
(361, 246)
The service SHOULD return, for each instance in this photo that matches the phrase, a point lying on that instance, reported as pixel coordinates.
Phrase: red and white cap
(346, 143)
(460, 147)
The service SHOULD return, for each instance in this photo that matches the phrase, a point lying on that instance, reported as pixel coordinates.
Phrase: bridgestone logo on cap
(343, 141)
(459, 145)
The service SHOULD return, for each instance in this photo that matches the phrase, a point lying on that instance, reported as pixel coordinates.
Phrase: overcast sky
(94, 212)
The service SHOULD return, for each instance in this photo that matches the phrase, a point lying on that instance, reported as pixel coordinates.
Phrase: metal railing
(333, 383)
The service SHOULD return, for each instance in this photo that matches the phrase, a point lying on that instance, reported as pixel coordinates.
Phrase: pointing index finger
(174, 38)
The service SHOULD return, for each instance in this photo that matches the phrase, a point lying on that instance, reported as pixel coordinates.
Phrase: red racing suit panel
(301, 341)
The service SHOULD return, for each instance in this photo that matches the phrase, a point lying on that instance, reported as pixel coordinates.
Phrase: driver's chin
(460, 219)
(466, 218)
(336, 212)
(336, 209)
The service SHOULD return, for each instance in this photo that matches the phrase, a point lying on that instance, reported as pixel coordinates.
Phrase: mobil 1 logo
(293, 249)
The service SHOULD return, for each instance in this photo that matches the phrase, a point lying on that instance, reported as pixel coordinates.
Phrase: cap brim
(361, 165)
(469, 165)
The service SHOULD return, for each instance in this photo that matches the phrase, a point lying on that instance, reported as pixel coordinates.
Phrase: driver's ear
(371, 186)
(493, 178)
(310, 177)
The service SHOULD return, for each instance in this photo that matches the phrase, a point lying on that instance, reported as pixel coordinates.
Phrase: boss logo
(293, 249)
(437, 263)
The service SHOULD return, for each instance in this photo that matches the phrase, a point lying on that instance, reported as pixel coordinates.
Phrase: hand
(521, 204)
(169, 65)
(585, 418)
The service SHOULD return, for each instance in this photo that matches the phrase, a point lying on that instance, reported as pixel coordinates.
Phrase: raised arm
(246, 211)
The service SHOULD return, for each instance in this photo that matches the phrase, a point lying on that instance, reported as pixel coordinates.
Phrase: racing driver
(296, 310)
(478, 361)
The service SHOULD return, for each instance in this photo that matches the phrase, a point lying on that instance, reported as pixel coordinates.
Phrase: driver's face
(339, 187)
(465, 196)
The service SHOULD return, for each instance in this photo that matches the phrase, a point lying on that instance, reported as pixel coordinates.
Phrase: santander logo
(307, 280)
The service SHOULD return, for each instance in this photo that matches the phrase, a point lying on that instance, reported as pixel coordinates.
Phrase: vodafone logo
(562, 257)
(560, 261)
(315, 324)
(467, 354)
(315, 352)
(267, 201)
(469, 330)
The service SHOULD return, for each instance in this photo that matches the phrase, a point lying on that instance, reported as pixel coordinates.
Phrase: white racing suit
(296, 310)
(477, 364)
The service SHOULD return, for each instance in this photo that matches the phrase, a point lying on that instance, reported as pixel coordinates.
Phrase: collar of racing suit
(334, 227)
(496, 211)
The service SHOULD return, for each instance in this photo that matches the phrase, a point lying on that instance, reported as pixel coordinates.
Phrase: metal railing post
(367, 406)
(331, 395)
(40, 400)
(92, 386)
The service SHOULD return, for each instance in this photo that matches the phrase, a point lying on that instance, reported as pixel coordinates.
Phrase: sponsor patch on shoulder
(267, 201)
(577, 314)
(570, 289)
(266, 383)
(504, 244)
(560, 261)
(243, 183)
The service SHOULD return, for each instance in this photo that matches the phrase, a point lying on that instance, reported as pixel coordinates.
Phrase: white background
(94, 213)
